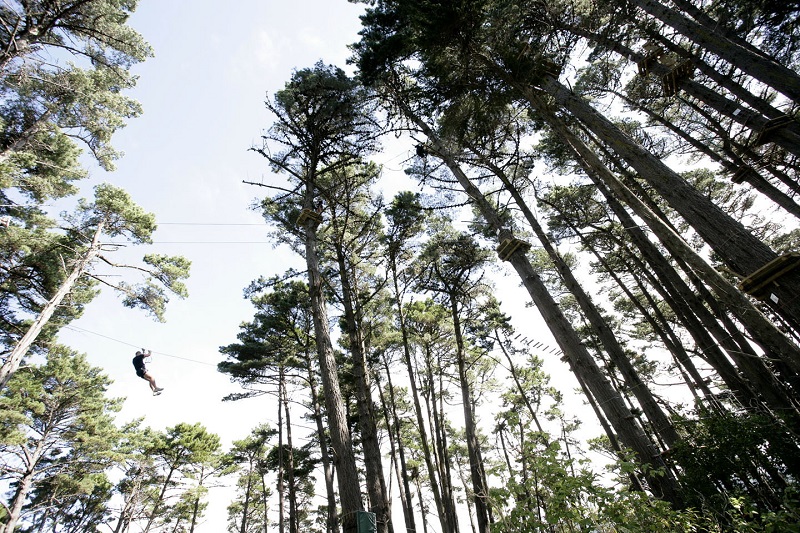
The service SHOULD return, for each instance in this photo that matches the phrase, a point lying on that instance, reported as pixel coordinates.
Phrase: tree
(56, 428)
(44, 95)
(249, 511)
(275, 351)
(581, 362)
(181, 449)
(139, 476)
(351, 243)
(322, 126)
(452, 266)
(459, 66)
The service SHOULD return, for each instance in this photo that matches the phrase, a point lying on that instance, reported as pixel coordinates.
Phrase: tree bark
(736, 243)
(376, 484)
(398, 448)
(480, 487)
(661, 424)
(344, 459)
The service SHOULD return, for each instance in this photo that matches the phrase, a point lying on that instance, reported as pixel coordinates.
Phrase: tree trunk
(731, 165)
(344, 460)
(436, 416)
(661, 424)
(294, 518)
(159, 500)
(24, 486)
(393, 422)
(761, 328)
(376, 484)
(246, 504)
(753, 64)
(480, 487)
(332, 513)
(444, 517)
(281, 464)
(21, 349)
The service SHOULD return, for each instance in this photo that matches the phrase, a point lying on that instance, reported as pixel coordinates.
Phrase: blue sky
(185, 160)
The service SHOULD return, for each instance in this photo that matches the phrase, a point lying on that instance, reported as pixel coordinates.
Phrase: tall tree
(323, 124)
(351, 243)
(581, 362)
(452, 266)
(488, 54)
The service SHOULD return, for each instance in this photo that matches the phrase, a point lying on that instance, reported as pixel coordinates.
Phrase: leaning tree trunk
(608, 340)
(728, 243)
(729, 160)
(737, 247)
(21, 349)
(695, 316)
(758, 66)
(754, 119)
(22, 490)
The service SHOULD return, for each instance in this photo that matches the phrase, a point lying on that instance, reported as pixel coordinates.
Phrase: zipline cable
(82, 330)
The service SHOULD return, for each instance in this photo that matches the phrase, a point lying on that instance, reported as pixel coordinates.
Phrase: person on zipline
(141, 370)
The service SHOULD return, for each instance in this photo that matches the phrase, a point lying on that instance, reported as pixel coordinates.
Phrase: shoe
(158, 389)
(157, 392)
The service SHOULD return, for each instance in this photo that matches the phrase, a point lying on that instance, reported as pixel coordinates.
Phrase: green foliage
(744, 452)
(178, 454)
(249, 508)
(57, 435)
(451, 264)
(114, 207)
(81, 102)
(278, 336)
(324, 122)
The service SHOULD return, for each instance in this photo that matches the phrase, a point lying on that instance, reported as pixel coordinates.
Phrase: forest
(632, 166)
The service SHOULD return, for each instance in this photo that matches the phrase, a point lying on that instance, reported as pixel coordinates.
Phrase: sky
(186, 159)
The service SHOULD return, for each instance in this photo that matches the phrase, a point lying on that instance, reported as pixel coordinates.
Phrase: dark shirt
(138, 363)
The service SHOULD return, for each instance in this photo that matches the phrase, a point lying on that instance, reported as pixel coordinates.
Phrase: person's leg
(151, 381)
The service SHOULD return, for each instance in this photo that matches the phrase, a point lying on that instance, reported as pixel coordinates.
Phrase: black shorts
(141, 372)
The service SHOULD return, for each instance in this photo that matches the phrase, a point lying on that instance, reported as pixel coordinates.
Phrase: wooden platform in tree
(308, 214)
(758, 283)
(647, 62)
(509, 246)
(767, 132)
(671, 80)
